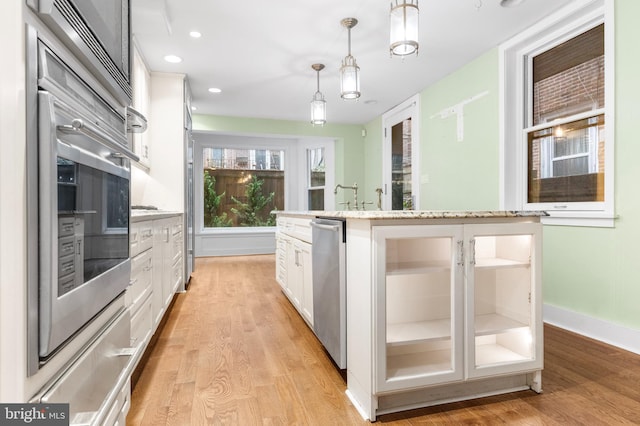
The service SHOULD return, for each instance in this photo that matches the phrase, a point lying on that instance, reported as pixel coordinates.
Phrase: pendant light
(403, 27)
(349, 72)
(318, 104)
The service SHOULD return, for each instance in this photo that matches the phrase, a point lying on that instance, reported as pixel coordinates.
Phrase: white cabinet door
(306, 299)
(291, 288)
(161, 268)
(281, 260)
(503, 290)
(418, 306)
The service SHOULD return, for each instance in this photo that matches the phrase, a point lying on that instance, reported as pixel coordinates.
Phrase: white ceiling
(260, 52)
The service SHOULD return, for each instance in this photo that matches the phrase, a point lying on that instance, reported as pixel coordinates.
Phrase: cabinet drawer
(141, 323)
(177, 246)
(66, 226)
(66, 246)
(141, 237)
(176, 274)
(176, 228)
(66, 265)
(122, 403)
(297, 227)
(141, 279)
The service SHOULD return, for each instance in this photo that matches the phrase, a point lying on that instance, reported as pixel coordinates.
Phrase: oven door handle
(79, 126)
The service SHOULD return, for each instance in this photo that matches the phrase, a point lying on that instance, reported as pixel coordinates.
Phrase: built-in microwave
(98, 31)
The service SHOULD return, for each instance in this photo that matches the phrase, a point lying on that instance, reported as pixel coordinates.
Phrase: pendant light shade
(403, 27)
(349, 72)
(318, 104)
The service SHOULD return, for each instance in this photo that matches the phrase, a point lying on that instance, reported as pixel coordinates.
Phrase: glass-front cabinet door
(418, 305)
(504, 322)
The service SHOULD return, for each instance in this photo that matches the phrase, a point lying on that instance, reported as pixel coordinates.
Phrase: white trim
(567, 22)
(613, 334)
(407, 109)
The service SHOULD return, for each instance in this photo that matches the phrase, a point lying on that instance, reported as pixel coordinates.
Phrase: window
(566, 142)
(557, 109)
(242, 186)
(316, 178)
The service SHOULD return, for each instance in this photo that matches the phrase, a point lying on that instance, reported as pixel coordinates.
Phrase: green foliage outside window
(212, 215)
(251, 212)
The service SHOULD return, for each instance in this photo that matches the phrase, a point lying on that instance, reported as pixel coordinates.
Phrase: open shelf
(498, 263)
(494, 324)
(404, 268)
(417, 332)
(418, 364)
(492, 354)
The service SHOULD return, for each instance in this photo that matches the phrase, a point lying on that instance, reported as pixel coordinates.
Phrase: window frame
(516, 69)
(304, 146)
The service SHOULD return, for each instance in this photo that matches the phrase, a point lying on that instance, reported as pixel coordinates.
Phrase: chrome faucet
(379, 192)
(355, 193)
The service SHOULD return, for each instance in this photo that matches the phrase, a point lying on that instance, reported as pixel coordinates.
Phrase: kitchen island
(441, 306)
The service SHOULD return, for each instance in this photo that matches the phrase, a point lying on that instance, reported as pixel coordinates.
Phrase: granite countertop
(138, 215)
(413, 214)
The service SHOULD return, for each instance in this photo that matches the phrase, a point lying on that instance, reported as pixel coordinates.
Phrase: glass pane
(93, 223)
(316, 199)
(316, 167)
(242, 186)
(502, 305)
(418, 306)
(566, 162)
(401, 196)
(569, 79)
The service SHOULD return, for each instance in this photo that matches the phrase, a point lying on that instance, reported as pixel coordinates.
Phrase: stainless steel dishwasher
(329, 287)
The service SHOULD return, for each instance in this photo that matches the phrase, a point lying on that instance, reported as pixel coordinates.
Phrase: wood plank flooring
(235, 352)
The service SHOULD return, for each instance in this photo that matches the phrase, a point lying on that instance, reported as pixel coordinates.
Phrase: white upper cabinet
(140, 79)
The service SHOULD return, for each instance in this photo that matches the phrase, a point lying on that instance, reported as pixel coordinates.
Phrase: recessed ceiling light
(193, 108)
(215, 90)
(173, 59)
(195, 34)
(510, 3)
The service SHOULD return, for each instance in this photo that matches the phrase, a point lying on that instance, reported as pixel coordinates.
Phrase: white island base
(441, 306)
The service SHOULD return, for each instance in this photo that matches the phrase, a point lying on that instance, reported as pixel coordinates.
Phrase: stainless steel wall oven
(80, 190)
(98, 32)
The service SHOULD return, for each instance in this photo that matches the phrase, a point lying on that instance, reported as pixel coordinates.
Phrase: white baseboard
(613, 334)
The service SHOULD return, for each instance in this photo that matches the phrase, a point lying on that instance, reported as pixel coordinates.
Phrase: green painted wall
(349, 141)
(461, 174)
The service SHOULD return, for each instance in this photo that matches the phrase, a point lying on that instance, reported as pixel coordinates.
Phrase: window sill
(239, 230)
(586, 219)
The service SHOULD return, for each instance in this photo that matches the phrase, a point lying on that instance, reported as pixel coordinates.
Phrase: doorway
(400, 156)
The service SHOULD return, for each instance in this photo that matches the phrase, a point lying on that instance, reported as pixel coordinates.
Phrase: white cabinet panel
(456, 302)
(419, 299)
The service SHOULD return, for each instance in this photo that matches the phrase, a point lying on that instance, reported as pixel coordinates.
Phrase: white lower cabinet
(293, 264)
(455, 303)
(156, 273)
(167, 263)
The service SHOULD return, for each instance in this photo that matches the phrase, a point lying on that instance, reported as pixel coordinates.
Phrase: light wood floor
(234, 351)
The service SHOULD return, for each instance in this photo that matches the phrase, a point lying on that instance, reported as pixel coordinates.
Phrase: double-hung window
(558, 143)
